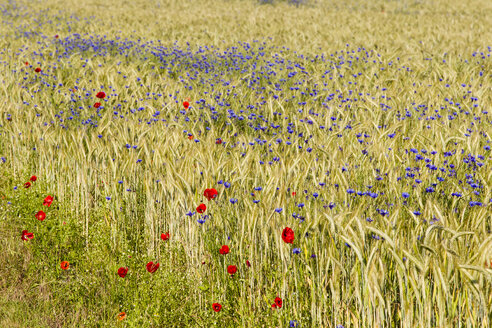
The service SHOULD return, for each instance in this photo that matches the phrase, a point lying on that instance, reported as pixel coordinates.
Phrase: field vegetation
(341, 151)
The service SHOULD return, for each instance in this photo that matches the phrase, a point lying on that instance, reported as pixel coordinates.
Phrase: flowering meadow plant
(256, 164)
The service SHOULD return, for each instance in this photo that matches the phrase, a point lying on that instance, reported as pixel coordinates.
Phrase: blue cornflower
(233, 200)
(278, 210)
(108, 198)
(350, 191)
(296, 250)
(405, 195)
(190, 213)
(227, 184)
(300, 205)
(256, 201)
(292, 323)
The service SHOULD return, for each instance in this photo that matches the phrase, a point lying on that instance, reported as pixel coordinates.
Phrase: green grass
(421, 275)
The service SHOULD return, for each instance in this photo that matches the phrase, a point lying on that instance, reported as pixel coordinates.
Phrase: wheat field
(341, 151)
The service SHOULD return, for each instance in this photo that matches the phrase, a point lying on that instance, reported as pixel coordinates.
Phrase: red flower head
(201, 208)
(278, 302)
(27, 235)
(56, 36)
(231, 269)
(218, 141)
(210, 193)
(40, 216)
(288, 235)
(27, 63)
(37, 70)
(186, 104)
(64, 265)
(101, 95)
(122, 272)
(97, 105)
(248, 264)
(165, 236)
(217, 307)
(274, 306)
(47, 201)
(27, 185)
(190, 137)
(33, 178)
(121, 316)
(224, 249)
(152, 267)
(293, 193)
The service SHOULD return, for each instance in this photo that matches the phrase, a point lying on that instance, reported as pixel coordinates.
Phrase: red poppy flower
(210, 193)
(64, 265)
(47, 201)
(33, 178)
(248, 264)
(224, 249)
(27, 64)
(274, 306)
(101, 95)
(56, 36)
(122, 272)
(40, 216)
(201, 208)
(37, 70)
(278, 302)
(121, 316)
(293, 193)
(186, 104)
(27, 235)
(27, 185)
(190, 137)
(231, 269)
(288, 235)
(217, 307)
(152, 267)
(165, 236)
(97, 105)
(218, 141)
